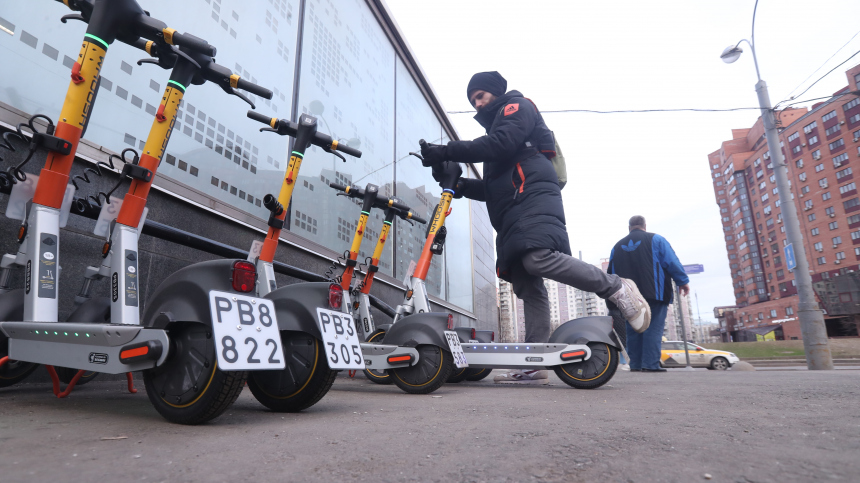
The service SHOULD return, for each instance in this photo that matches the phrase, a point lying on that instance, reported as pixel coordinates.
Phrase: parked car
(673, 356)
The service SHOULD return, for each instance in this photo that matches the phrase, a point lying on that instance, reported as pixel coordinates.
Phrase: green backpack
(558, 164)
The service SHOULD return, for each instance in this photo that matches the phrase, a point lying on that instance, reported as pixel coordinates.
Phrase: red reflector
(395, 359)
(140, 351)
(572, 355)
(335, 296)
(450, 322)
(492, 336)
(474, 334)
(244, 276)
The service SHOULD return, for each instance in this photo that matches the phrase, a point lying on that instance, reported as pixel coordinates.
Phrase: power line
(625, 111)
(822, 77)
(391, 163)
(790, 97)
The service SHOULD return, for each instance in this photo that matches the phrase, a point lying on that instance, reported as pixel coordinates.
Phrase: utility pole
(811, 317)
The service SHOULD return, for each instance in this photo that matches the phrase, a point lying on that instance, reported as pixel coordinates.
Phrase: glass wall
(350, 78)
(347, 83)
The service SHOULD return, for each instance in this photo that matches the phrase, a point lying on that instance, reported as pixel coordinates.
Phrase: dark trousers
(527, 281)
(645, 348)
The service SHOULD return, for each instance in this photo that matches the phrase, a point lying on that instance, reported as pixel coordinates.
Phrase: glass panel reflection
(347, 83)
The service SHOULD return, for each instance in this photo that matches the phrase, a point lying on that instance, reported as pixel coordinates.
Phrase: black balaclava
(492, 82)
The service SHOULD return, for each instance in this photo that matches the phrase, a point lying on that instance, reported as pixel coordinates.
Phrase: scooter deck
(92, 347)
(523, 356)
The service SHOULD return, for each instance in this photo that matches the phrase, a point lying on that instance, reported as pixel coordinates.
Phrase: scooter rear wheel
(14, 372)
(189, 388)
(458, 375)
(477, 374)
(594, 372)
(302, 383)
(66, 374)
(375, 375)
(434, 367)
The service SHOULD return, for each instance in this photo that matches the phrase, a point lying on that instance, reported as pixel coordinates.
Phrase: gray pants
(527, 281)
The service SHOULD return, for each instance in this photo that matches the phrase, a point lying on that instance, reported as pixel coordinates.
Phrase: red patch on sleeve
(511, 108)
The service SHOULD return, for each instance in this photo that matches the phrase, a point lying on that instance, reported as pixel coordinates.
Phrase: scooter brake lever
(268, 129)
(185, 56)
(72, 16)
(329, 150)
(148, 61)
(417, 155)
(234, 92)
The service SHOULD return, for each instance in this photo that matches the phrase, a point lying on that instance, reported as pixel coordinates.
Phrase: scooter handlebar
(287, 128)
(402, 210)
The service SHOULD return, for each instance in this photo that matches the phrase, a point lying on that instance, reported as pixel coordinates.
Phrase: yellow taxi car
(672, 355)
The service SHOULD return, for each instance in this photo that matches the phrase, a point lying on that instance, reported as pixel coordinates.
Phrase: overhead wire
(822, 77)
(790, 96)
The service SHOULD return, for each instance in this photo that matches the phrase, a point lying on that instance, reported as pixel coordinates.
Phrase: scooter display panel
(246, 332)
(342, 345)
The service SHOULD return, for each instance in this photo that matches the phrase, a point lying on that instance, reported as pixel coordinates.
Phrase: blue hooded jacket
(648, 259)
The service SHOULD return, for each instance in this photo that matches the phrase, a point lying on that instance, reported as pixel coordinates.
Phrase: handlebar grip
(194, 43)
(418, 219)
(348, 150)
(253, 88)
(338, 186)
(270, 121)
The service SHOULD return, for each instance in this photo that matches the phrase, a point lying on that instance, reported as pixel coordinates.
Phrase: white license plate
(342, 345)
(246, 332)
(456, 349)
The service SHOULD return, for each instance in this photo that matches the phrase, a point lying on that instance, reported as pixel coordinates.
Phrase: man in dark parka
(520, 187)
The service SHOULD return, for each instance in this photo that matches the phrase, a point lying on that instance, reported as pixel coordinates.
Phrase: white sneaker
(624, 367)
(632, 305)
(518, 376)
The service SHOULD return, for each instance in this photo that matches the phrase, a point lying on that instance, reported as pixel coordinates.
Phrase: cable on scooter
(36, 139)
(329, 273)
(83, 203)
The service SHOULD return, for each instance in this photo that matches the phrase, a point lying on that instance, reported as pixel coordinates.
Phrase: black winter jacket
(520, 185)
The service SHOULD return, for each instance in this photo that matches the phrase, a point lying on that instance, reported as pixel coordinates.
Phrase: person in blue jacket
(648, 260)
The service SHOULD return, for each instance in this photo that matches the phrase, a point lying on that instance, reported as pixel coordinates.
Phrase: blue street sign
(696, 268)
(790, 261)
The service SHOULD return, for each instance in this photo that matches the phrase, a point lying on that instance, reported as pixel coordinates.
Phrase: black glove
(458, 189)
(433, 154)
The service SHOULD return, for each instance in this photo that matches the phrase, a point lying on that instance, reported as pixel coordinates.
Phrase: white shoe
(624, 367)
(518, 376)
(632, 305)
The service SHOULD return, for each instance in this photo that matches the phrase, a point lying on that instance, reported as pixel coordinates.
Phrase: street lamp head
(731, 54)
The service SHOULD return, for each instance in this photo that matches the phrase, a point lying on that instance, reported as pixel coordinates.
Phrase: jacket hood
(487, 114)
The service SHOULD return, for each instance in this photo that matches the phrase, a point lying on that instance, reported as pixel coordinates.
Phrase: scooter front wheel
(375, 375)
(189, 388)
(14, 372)
(593, 372)
(433, 369)
(477, 374)
(302, 383)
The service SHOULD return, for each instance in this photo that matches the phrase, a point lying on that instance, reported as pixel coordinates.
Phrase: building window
(853, 220)
(773, 313)
(812, 140)
(819, 247)
(789, 311)
(829, 211)
(793, 137)
(848, 187)
(796, 149)
(804, 190)
(848, 105)
(833, 225)
(811, 217)
(764, 197)
(839, 160)
(840, 255)
(842, 172)
(822, 182)
(809, 127)
(851, 203)
(837, 240)
(836, 144)
(822, 260)
(831, 130)
(802, 176)
(830, 115)
(807, 205)
(819, 167)
(826, 196)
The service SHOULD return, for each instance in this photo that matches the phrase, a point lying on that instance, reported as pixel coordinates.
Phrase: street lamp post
(811, 318)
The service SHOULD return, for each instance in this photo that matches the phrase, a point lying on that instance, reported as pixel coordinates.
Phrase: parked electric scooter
(582, 352)
(420, 350)
(108, 20)
(185, 370)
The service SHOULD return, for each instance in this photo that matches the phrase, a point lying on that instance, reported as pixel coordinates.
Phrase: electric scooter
(173, 342)
(421, 351)
(45, 199)
(582, 352)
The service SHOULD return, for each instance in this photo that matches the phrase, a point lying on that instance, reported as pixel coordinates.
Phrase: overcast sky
(615, 55)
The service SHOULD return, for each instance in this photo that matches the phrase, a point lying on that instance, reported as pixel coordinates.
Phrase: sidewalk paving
(763, 426)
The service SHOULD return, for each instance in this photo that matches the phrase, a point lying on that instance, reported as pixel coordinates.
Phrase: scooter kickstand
(130, 378)
(56, 380)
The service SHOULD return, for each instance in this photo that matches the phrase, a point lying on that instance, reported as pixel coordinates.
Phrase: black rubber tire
(592, 373)
(302, 383)
(458, 375)
(717, 366)
(375, 376)
(14, 372)
(191, 365)
(65, 374)
(434, 367)
(477, 374)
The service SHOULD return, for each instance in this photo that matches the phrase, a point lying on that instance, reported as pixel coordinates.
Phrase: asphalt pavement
(680, 426)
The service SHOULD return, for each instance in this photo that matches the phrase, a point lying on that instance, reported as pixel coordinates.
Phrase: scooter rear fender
(417, 329)
(584, 330)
